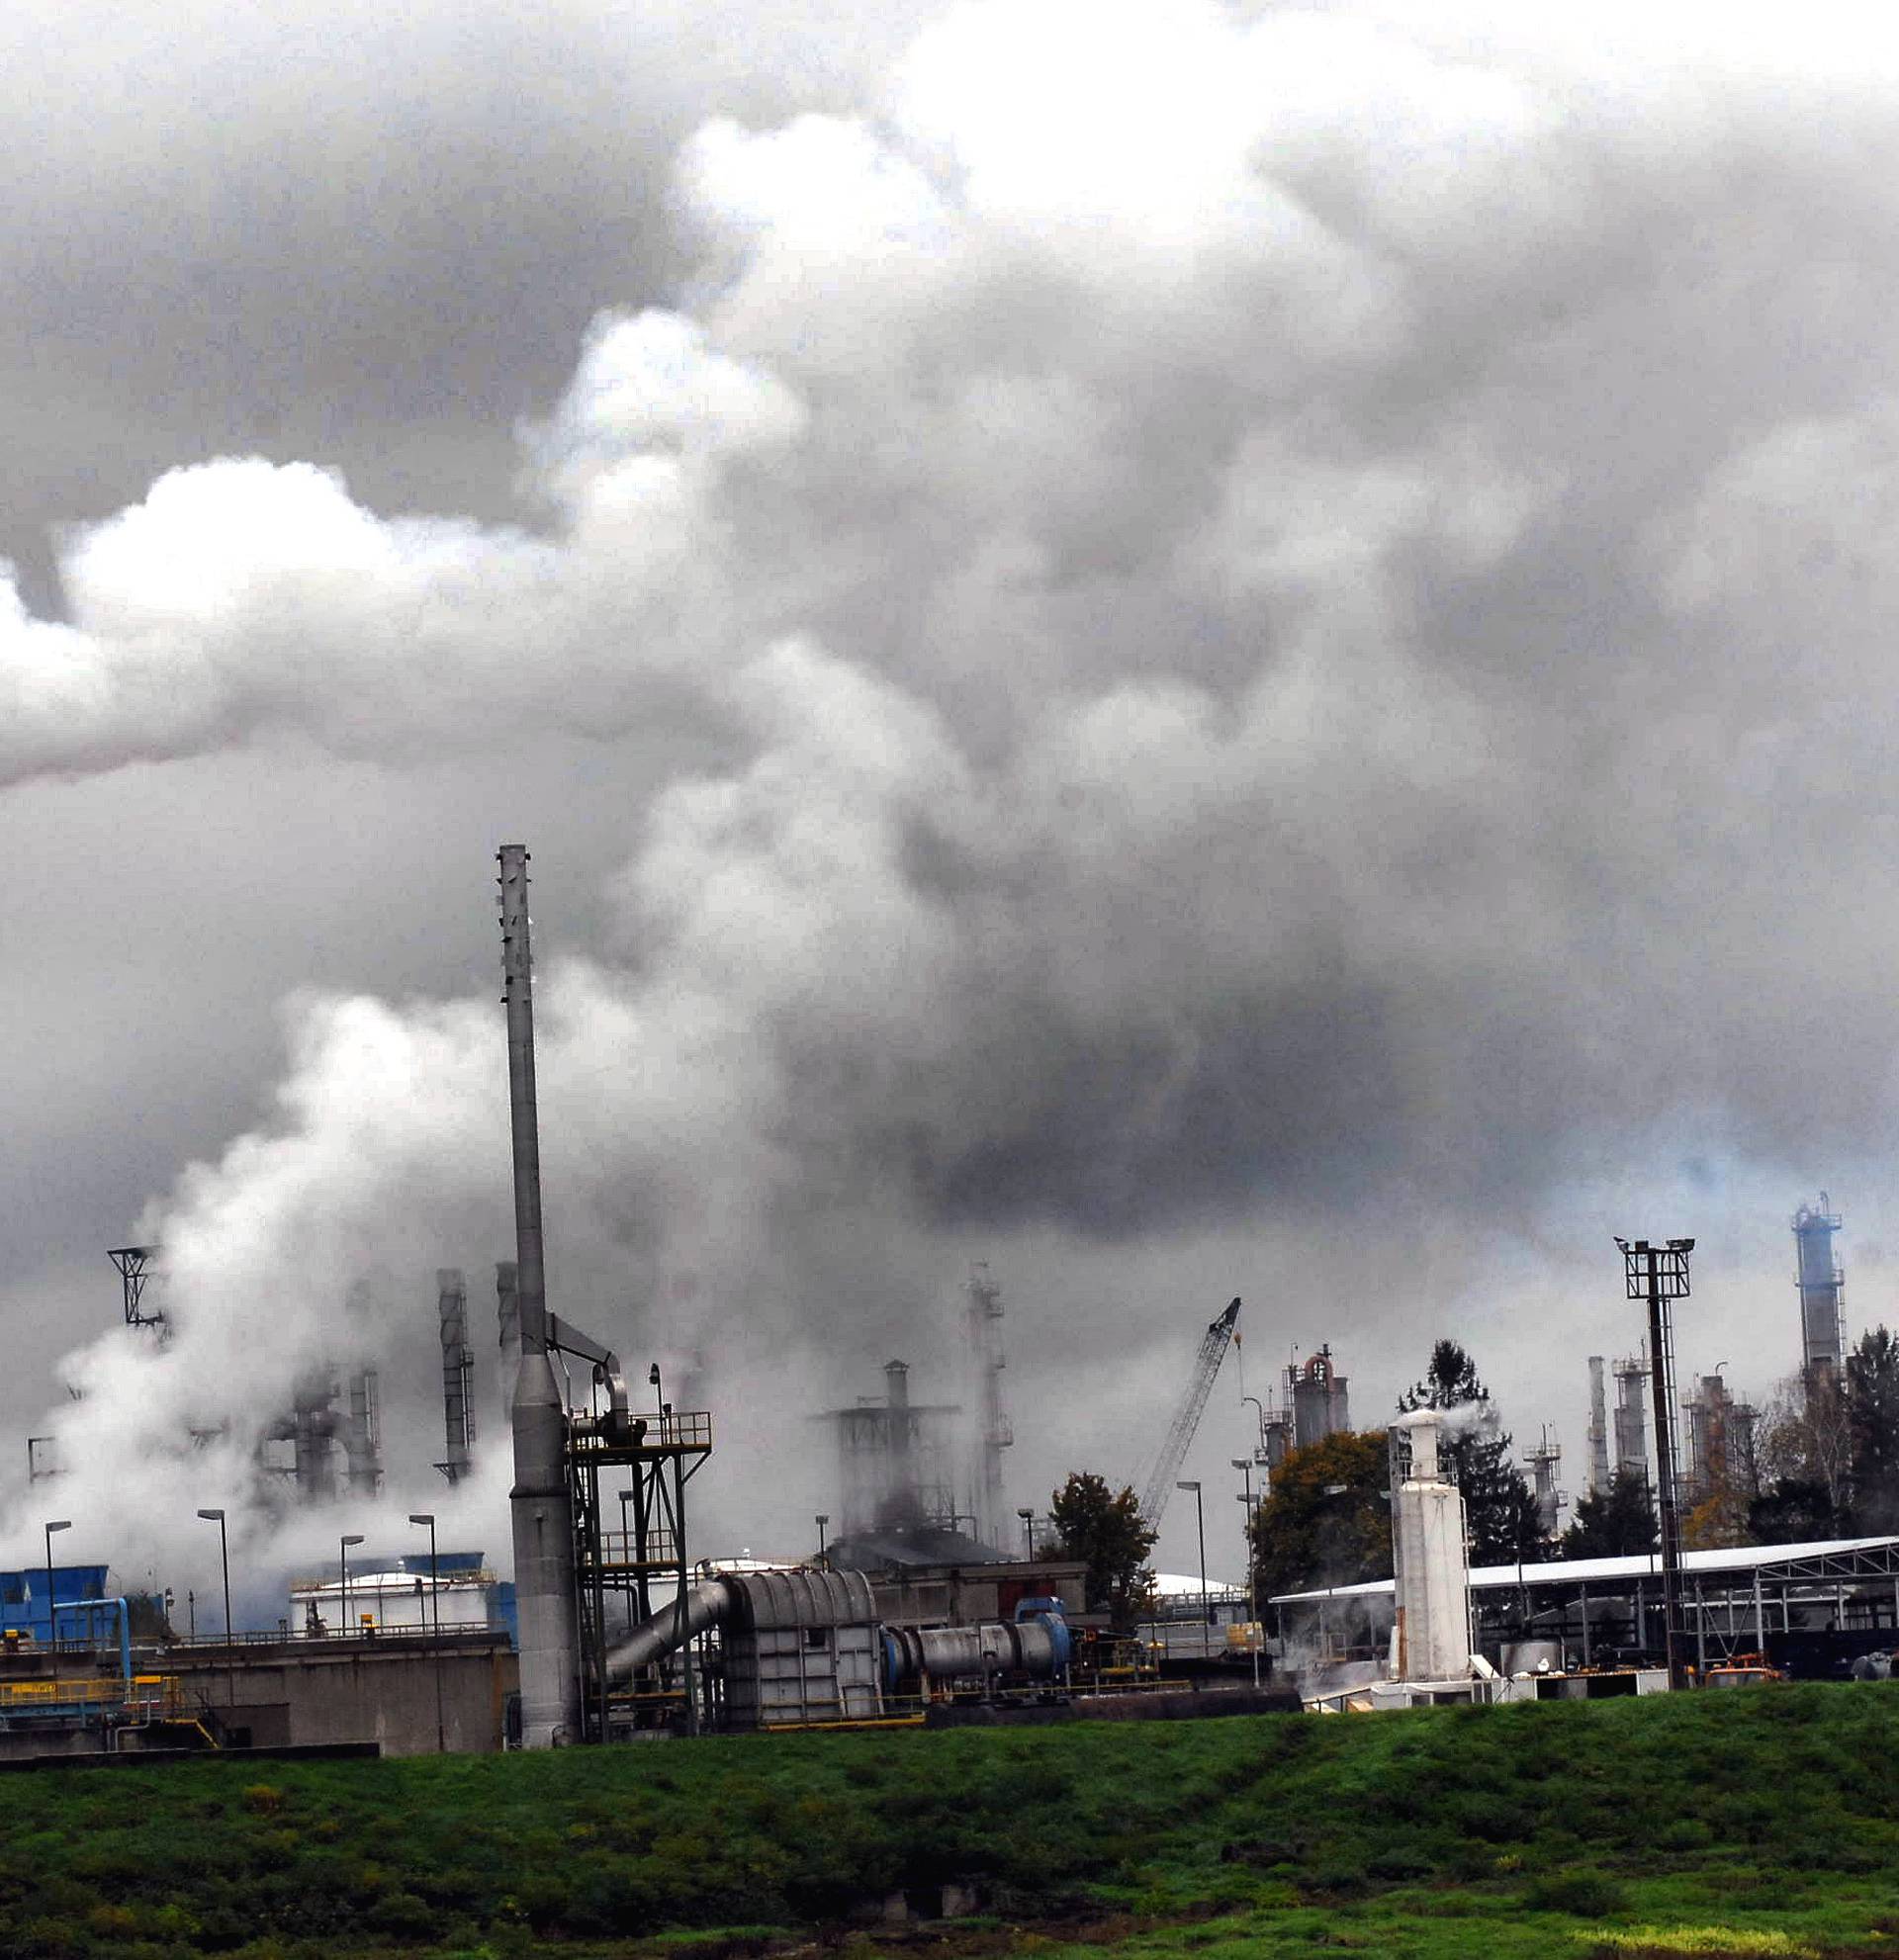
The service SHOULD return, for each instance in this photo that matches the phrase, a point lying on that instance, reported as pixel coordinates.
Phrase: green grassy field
(1758, 1822)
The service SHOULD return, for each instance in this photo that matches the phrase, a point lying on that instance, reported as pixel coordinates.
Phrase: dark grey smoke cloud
(1196, 644)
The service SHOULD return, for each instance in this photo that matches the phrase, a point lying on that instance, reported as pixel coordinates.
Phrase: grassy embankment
(1541, 1831)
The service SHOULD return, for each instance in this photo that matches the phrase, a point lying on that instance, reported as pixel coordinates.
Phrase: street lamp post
(1259, 1409)
(223, 1554)
(1028, 1518)
(1245, 1467)
(823, 1520)
(52, 1612)
(348, 1539)
(1199, 1519)
(435, 1613)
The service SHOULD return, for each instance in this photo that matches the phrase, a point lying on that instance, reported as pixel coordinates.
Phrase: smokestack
(542, 1511)
(993, 1433)
(458, 1373)
(1599, 1428)
(507, 1302)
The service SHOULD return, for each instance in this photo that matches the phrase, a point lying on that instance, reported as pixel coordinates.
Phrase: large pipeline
(707, 1605)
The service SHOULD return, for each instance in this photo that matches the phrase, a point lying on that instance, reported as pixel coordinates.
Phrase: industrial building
(613, 1628)
(897, 1480)
(43, 1603)
(1809, 1606)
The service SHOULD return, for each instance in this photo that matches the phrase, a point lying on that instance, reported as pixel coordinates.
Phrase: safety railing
(624, 1548)
(156, 1693)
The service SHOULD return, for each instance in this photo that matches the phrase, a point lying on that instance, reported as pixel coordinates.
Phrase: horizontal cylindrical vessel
(1039, 1649)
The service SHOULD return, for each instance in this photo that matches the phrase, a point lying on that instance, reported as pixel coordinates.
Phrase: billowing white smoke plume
(1279, 595)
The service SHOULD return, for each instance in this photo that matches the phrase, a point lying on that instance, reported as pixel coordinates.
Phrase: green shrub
(1584, 1895)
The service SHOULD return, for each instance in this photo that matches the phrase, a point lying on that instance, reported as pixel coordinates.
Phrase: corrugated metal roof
(1741, 1559)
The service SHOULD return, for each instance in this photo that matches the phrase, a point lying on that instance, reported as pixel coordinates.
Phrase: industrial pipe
(705, 1606)
(1039, 1647)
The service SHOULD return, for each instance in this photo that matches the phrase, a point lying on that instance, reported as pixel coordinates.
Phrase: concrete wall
(372, 1690)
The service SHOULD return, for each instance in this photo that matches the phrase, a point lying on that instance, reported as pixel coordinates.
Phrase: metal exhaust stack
(541, 1509)
(458, 1373)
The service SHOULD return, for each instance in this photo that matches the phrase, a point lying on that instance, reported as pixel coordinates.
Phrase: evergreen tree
(1499, 1507)
(1796, 1510)
(1103, 1529)
(1872, 1429)
(1613, 1523)
(1325, 1520)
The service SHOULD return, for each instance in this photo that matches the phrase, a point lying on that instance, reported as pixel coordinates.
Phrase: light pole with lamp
(1199, 1519)
(435, 1613)
(1244, 1463)
(224, 1556)
(348, 1539)
(1260, 1409)
(823, 1520)
(1659, 1274)
(52, 1612)
(1028, 1518)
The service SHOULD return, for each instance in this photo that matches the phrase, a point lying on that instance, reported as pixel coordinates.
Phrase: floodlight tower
(1659, 1273)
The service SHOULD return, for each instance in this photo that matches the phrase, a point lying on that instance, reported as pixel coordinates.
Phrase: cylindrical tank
(1533, 1658)
(1039, 1649)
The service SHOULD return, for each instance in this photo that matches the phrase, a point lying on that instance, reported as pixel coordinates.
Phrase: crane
(1180, 1434)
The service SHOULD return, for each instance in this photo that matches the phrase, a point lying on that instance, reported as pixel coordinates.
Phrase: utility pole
(1659, 1274)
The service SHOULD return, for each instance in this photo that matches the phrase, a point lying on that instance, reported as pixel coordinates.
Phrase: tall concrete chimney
(541, 1509)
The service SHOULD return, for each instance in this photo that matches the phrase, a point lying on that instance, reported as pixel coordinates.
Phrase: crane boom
(1180, 1435)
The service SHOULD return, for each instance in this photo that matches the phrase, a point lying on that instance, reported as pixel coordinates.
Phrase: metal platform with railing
(660, 1452)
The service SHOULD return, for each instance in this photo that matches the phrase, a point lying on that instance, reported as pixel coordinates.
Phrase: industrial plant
(931, 1597)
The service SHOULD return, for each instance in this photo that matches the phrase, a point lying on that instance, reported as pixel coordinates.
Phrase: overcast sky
(1188, 649)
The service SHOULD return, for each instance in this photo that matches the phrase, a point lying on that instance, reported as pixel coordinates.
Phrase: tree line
(1820, 1462)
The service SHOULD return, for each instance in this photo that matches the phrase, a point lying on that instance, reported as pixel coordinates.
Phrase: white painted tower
(1431, 1567)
